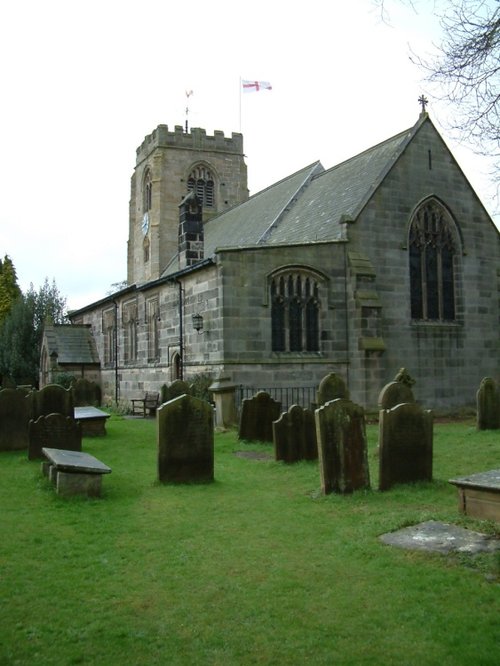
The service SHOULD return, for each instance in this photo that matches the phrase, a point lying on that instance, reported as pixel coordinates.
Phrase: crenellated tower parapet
(169, 165)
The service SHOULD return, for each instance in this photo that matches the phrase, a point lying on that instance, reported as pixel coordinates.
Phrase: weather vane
(423, 101)
(188, 95)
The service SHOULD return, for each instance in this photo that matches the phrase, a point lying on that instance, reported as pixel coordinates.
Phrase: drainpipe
(181, 331)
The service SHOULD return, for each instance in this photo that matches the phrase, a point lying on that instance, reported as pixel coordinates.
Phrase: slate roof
(72, 343)
(309, 205)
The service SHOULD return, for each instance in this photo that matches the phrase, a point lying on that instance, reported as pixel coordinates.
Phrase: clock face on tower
(145, 224)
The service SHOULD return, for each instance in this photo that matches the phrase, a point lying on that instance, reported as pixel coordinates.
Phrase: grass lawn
(256, 568)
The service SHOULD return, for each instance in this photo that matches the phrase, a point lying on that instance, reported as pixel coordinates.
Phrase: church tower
(169, 165)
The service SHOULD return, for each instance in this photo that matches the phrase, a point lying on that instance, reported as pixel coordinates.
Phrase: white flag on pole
(255, 86)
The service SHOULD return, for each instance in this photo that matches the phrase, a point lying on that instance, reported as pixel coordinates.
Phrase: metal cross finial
(423, 101)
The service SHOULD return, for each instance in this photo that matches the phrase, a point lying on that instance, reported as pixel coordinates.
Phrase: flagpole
(240, 104)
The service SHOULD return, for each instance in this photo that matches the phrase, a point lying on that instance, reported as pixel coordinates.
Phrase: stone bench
(479, 495)
(74, 472)
(93, 420)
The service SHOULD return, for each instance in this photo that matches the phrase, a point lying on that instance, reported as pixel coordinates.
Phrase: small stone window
(109, 334)
(129, 320)
(153, 327)
(147, 192)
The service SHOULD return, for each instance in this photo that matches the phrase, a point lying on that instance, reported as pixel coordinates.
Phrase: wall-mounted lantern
(198, 322)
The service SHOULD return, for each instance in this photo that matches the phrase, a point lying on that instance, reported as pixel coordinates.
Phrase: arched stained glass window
(432, 250)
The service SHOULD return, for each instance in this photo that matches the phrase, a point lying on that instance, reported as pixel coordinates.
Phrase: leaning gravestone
(257, 416)
(294, 435)
(488, 405)
(330, 388)
(342, 447)
(185, 441)
(405, 445)
(15, 414)
(86, 393)
(396, 392)
(54, 431)
(52, 399)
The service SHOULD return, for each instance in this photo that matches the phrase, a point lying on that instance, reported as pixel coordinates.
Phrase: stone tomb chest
(74, 472)
(479, 495)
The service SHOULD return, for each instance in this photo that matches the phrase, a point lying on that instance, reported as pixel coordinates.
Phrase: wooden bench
(74, 472)
(150, 402)
(479, 495)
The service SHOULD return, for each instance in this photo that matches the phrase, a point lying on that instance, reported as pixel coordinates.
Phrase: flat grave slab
(438, 537)
(74, 472)
(479, 494)
(92, 419)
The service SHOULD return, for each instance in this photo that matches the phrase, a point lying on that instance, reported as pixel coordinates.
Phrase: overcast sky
(83, 83)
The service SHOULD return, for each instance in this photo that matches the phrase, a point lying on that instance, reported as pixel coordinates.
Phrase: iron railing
(305, 396)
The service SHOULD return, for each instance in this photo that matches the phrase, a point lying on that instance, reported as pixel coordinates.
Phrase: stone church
(388, 259)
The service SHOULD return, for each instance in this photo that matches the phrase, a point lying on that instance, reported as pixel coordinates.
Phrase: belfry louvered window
(295, 309)
(432, 248)
(201, 181)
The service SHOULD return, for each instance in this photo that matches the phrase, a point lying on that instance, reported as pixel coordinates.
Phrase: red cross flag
(255, 86)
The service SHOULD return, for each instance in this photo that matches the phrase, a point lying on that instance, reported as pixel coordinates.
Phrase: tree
(466, 70)
(22, 330)
(9, 289)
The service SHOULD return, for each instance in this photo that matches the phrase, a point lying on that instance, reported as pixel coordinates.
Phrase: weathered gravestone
(15, 414)
(405, 445)
(54, 431)
(488, 405)
(342, 447)
(174, 390)
(294, 435)
(330, 388)
(185, 441)
(86, 393)
(52, 399)
(257, 416)
(396, 392)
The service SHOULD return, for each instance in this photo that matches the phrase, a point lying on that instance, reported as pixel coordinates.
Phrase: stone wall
(447, 360)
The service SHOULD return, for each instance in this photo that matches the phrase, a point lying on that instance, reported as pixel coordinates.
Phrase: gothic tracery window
(432, 249)
(201, 182)
(294, 312)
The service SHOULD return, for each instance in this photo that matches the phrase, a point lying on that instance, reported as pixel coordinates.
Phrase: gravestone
(257, 416)
(174, 390)
(86, 393)
(185, 441)
(52, 399)
(342, 447)
(405, 445)
(398, 391)
(54, 431)
(488, 405)
(330, 388)
(294, 435)
(15, 414)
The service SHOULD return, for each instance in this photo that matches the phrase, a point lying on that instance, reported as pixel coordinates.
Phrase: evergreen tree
(22, 330)
(9, 289)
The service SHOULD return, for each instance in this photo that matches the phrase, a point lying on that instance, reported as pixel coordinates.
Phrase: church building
(386, 260)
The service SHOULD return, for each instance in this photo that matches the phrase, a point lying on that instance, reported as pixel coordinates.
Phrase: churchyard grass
(255, 568)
